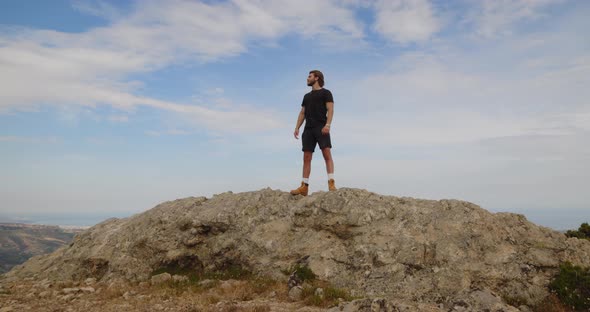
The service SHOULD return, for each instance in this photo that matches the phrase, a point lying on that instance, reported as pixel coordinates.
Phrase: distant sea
(557, 219)
(62, 219)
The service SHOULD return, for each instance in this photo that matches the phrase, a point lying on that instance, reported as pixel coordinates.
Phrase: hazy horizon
(560, 219)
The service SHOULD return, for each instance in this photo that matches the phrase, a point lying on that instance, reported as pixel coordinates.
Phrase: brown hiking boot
(331, 185)
(302, 190)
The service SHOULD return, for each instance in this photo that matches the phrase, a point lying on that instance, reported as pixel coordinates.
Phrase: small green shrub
(583, 232)
(572, 286)
(304, 273)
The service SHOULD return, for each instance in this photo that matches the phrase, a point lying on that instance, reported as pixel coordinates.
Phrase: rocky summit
(395, 253)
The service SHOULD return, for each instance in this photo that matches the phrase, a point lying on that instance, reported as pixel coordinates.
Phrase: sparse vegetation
(572, 286)
(194, 275)
(304, 273)
(513, 300)
(330, 295)
(583, 232)
(229, 272)
(245, 286)
(311, 283)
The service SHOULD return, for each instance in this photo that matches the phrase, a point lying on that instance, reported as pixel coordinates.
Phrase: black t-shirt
(315, 107)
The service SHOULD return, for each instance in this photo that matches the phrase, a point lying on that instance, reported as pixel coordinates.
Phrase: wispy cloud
(46, 67)
(406, 21)
(98, 8)
(481, 100)
(493, 18)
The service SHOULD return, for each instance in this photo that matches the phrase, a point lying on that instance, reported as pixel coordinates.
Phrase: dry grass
(256, 294)
(329, 298)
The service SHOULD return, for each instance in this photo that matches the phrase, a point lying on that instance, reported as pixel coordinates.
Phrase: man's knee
(307, 156)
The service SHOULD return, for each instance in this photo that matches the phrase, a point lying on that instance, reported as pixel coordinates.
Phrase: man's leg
(327, 153)
(304, 188)
(307, 164)
(328, 158)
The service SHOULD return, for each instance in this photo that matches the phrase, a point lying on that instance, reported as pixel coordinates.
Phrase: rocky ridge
(449, 255)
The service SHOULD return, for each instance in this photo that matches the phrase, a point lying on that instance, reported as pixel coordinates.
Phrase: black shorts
(313, 136)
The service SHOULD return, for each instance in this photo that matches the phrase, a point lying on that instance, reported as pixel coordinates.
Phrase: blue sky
(108, 108)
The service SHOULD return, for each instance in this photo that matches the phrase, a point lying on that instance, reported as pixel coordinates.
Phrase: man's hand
(296, 134)
(326, 129)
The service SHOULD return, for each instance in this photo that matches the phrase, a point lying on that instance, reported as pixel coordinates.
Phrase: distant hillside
(19, 242)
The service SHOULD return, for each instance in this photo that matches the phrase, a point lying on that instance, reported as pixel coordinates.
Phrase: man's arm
(300, 120)
(330, 114)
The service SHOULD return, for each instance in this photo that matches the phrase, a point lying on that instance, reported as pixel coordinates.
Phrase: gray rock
(44, 294)
(319, 292)
(117, 284)
(45, 284)
(67, 297)
(296, 293)
(368, 305)
(207, 283)
(87, 289)
(70, 290)
(90, 281)
(524, 308)
(161, 278)
(179, 278)
(398, 248)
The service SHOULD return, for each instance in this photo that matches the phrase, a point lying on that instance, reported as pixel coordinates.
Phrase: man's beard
(310, 83)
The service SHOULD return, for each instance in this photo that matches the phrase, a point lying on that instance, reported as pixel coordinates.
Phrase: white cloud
(503, 122)
(46, 67)
(406, 21)
(98, 8)
(496, 17)
(451, 95)
(524, 172)
(474, 120)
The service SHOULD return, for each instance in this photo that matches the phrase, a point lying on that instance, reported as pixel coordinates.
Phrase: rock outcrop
(447, 253)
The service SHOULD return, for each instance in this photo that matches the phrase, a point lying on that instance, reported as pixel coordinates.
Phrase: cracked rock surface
(447, 253)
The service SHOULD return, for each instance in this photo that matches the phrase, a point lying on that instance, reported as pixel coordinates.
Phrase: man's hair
(320, 76)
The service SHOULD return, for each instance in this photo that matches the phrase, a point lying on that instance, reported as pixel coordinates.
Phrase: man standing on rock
(317, 110)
